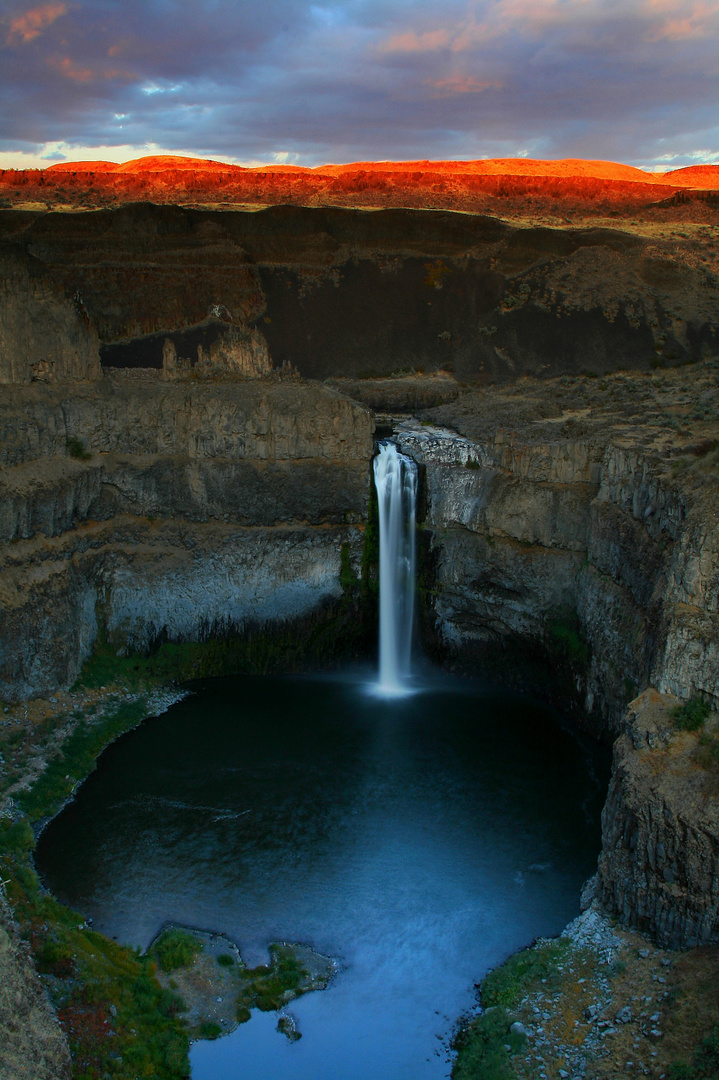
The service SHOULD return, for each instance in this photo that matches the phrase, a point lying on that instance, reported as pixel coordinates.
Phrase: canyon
(190, 398)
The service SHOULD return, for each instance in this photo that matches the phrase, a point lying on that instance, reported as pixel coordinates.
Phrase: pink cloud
(68, 69)
(503, 17)
(685, 21)
(26, 27)
(411, 42)
(462, 84)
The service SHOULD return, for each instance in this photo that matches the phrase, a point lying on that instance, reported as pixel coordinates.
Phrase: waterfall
(396, 482)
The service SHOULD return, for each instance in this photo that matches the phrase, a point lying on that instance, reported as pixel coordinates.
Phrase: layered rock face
(144, 508)
(659, 867)
(195, 486)
(337, 292)
(45, 335)
(558, 519)
(579, 520)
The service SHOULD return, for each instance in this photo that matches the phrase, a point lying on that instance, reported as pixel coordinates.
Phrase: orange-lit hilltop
(480, 186)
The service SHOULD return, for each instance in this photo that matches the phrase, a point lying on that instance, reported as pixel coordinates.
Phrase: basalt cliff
(190, 398)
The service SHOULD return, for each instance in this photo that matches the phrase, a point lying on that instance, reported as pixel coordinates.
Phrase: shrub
(567, 634)
(705, 1064)
(706, 1058)
(209, 1030)
(690, 717)
(16, 837)
(175, 949)
(348, 578)
(76, 449)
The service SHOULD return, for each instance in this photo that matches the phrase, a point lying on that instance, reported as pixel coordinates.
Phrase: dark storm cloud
(625, 79)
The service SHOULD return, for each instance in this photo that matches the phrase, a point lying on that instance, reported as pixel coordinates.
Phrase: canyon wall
(141, 509)
(339, 292)
(196, 485)
(556, 521)
(659, 866)
(44, 333)
(574, 527)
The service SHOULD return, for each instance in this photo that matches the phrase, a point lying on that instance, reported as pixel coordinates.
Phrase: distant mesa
(160, 163)
(504, 185)
(705, 176)
(82, 166)
(600, 170)
(692, 175)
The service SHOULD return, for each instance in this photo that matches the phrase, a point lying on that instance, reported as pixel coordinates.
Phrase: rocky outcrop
(144, 416)
(45, 335)
(579, 531)
(138, 582)
(238, 352)
(188, 510)
(659, 866)
(32, 1043)
(560, 525)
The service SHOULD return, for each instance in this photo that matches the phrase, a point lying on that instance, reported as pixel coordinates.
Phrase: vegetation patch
(486, 1046)
(269, 987)
(77, 757)
(117, 1018)
(506, 985)
(348, 578)
(218, 989)
(706, 753)
(566, 635)
(209, 1030)
(694, 1032)
(76, 449)
(705, 1062)
(370, 549)
(176, 948)
(691, 717)
(603, 1003)
(318, 640)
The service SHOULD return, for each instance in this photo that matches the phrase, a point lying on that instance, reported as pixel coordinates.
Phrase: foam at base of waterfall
(380, 690)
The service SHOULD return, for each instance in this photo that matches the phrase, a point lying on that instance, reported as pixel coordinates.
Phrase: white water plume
(396, 482)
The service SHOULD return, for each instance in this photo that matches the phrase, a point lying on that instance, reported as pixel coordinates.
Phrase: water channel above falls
(417, 840)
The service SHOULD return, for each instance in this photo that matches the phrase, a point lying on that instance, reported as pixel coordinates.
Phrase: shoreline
(589, 1045)
(74, 977)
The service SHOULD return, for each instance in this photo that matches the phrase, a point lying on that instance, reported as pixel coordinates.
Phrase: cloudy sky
(256, 81)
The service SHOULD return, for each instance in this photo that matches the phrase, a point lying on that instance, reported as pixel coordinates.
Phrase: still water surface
(419, 841)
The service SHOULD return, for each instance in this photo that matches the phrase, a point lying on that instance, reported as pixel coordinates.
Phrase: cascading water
(396, 481)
